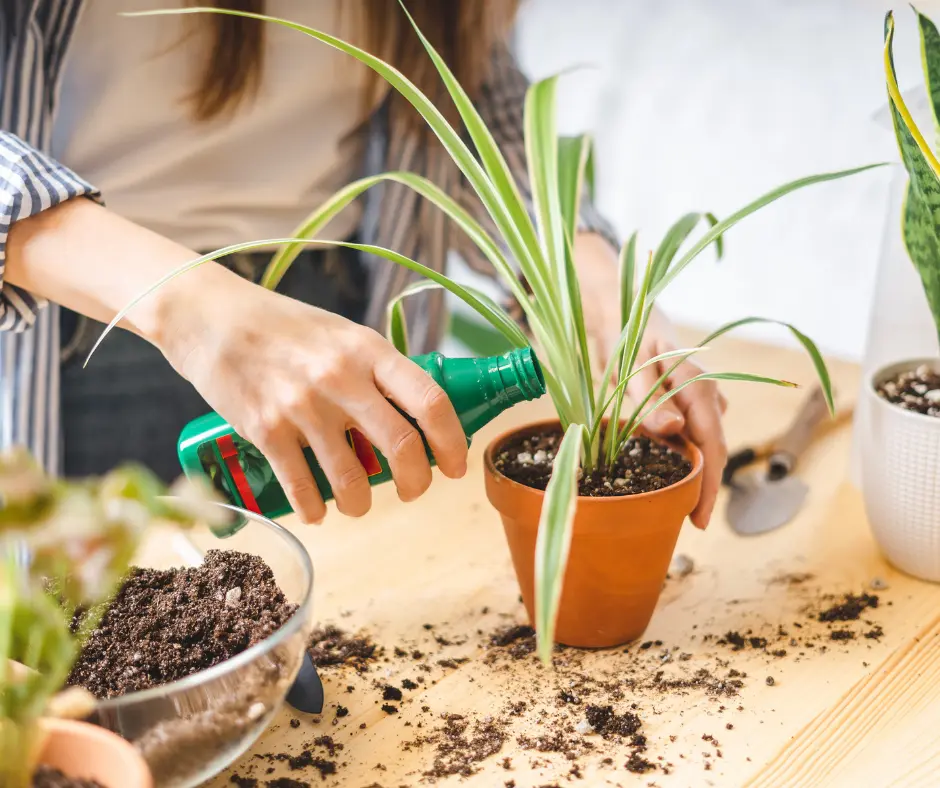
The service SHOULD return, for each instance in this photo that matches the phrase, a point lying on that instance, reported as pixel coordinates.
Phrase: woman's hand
(283, 373)
(695, 411)
(286, 374)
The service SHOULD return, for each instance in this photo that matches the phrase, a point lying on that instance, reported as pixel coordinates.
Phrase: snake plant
(920, 216)
(533, 256)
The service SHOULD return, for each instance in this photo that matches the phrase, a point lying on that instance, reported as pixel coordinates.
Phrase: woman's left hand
(695, 411)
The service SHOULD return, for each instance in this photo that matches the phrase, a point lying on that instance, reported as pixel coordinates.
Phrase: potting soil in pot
(917, 390)
(47, 777)
(644, 465)
(164, 625)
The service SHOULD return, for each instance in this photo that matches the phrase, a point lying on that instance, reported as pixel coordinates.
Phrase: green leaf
(397, 330)
(484, 306)
(725, 224)
(554, 538)
(922, 200)
(574, 165)
(481, 339)
(819, 364)
(675, 237)
(930, 60)
(631, 338)
(740, 376)
(321, 216)
(627, 278)
(682, 354)
(542, 157)
(519, 228)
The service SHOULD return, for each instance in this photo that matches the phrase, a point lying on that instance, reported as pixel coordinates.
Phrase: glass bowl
(191, 729)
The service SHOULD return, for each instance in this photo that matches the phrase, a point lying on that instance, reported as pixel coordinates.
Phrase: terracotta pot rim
(674, 442)
(102, 738)
(897, 366)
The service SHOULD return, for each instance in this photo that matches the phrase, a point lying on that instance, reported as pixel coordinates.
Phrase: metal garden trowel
(763, 499)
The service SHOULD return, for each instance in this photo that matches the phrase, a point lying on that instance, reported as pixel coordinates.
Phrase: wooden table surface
(859, 712)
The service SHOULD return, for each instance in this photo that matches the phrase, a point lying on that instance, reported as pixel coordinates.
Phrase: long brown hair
(463, 31)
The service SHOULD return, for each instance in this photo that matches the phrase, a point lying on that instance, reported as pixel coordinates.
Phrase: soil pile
(165, 625)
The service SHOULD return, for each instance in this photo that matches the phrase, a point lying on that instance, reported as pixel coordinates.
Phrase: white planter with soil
(900, 466)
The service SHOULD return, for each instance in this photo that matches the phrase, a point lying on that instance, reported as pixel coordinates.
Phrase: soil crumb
(164, 625)
(605, 722)
(518, 641)
(330, 645)
(47, 777)
(643, 466)
(917, 390)
(850, 608)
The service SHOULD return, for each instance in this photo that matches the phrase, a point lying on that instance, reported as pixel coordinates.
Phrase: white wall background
(703, 105)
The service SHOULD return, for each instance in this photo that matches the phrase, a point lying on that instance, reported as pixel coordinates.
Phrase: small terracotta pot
(620, 549)
(85, 751)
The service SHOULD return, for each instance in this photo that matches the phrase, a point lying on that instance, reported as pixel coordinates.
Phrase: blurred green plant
(533, 256)
(920, 215)
(64, 548)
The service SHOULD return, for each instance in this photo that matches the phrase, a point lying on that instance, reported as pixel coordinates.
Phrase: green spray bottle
(480, 389)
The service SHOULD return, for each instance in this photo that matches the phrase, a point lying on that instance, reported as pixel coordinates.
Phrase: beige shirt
(123, 125)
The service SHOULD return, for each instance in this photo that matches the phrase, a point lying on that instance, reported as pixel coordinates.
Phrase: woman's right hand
(285, 374)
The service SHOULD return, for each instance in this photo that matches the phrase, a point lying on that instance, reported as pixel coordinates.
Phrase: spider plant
(533, 256)
(919, 217)
(63, 547)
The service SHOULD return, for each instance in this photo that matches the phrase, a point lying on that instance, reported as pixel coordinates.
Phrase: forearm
(91, 260)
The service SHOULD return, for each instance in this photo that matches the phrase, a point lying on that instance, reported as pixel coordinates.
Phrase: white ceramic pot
(900, 465)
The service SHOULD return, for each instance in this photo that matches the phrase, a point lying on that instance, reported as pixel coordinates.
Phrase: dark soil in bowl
(47, 777)
(644, 465)
(917, 390)
(164, 625)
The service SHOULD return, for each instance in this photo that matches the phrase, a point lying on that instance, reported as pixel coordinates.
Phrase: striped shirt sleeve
(501, 105)
(30, 182)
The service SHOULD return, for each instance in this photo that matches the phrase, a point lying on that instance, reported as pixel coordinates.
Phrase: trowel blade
(758, 505)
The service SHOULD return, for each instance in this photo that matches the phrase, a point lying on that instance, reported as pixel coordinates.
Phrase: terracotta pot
(620, 549)
(82, 750)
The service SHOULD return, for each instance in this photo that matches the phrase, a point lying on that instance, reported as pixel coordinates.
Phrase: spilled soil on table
(596, 714)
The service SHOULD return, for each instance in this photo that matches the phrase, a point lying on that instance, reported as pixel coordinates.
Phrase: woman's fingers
(348, 479)
(413, 390)
(401, 444)
(702, 404)
(283, 451)
(666, 419)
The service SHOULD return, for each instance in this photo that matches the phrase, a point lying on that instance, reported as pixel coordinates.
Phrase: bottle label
(365, 452)
(229, 454)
